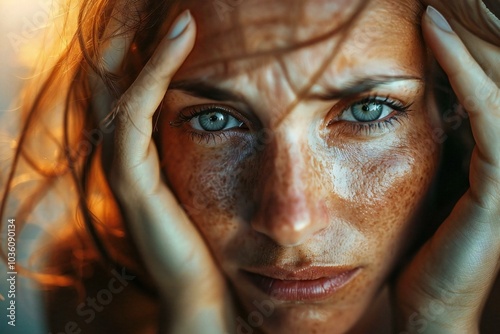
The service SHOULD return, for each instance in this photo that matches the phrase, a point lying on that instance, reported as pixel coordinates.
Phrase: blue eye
(213, 120)
(369, 116)
(367, 111)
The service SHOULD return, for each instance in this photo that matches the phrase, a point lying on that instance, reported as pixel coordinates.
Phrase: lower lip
(301, 290)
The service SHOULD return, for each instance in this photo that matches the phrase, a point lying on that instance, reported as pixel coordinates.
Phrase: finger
(480, 18)
(485, 53)
(171, 245)
(475, 90)
(136, 107)
(478, 28)
(455, 270)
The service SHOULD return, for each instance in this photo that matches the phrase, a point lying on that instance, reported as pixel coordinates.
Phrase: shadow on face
(298, 137)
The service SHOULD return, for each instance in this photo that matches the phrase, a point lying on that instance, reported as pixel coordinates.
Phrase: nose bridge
(287, 166)
(287, 209)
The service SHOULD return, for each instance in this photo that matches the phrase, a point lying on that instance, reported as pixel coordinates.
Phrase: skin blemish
(318, 191)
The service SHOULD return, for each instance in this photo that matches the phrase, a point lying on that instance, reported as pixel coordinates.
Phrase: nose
(289, 205)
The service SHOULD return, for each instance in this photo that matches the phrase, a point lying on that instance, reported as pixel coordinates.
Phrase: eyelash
(186, 115)
(357, 128)
(380, 126)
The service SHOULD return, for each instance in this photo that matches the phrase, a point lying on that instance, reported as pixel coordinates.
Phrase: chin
(296, 319)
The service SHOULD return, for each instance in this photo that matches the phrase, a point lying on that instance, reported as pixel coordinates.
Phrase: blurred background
(23, 24)
(23, 28)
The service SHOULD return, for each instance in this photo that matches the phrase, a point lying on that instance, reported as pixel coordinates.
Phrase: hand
(191, 287)
(445, 287)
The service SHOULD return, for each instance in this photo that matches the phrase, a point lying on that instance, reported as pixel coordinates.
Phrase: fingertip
(179, 41)
(445, 44)
(174, 48)
(180, 24)
(437, 30)
(437, 19)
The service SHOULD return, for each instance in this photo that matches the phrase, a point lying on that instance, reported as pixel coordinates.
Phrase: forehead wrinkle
(317, 74)
(381, 44)
(220, 68)
(270, 94)
(287, 75)
(210, 56)
(296, 95)
(234, 44)
(228, 68)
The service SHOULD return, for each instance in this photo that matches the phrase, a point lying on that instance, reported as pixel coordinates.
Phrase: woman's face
(298, 139)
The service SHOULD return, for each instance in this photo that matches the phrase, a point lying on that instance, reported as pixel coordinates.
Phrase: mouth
(304, 285)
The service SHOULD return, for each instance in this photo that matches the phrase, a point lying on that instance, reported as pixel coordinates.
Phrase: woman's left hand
(444, 289)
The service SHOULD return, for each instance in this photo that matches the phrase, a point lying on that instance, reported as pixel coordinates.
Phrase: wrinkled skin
(291, 182)
(296, 186)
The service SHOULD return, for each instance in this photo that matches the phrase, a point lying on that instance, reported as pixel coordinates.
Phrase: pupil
(368, 112)
(216, 117)
(371, 107)
(213, 121)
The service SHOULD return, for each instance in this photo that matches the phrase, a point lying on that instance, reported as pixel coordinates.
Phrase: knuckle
(489, 92)
(124, 108)
(493, 101)
(149, 75)
(156, 72)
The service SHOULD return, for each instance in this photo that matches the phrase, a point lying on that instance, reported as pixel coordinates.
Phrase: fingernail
(180, 25)
(438, 19)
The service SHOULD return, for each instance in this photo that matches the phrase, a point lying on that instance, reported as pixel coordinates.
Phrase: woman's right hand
(192, 288)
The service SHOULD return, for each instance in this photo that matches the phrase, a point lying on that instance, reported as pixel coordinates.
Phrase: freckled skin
(312, 194)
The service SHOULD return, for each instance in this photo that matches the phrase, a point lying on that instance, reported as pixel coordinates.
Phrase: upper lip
(308, 273)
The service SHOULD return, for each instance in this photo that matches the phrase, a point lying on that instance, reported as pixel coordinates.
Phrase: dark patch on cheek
(213, 185)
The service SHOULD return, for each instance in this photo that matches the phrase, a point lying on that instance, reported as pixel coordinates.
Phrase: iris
(213, 121)
(367, 112)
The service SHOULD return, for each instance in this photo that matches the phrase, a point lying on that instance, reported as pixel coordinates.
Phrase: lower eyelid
(206, 137)
(380, 127)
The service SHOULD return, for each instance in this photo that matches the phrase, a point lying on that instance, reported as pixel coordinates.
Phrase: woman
(275, 165)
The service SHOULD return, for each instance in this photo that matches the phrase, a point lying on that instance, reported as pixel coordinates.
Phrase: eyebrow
(362, 85)
(203, 89)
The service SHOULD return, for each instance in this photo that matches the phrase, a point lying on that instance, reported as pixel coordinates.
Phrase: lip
(302, 285)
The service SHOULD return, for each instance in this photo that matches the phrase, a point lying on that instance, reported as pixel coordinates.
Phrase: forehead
(238, 35)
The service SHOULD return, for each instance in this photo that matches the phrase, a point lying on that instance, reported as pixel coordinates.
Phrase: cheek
(375, 186)
(378, 187)
(376, 182)
(211, 185)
